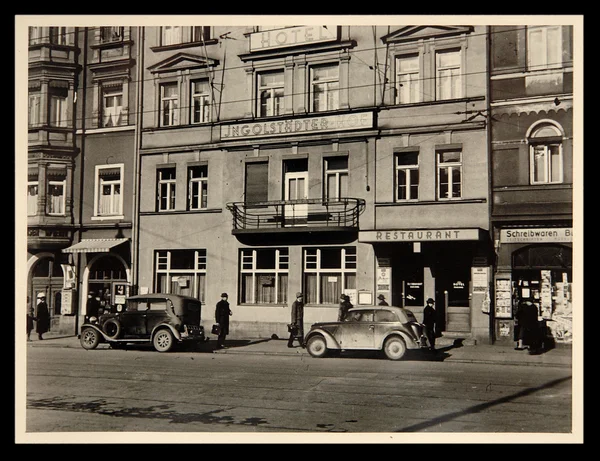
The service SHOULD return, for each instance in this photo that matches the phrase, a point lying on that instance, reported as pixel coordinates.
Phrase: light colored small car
(390, 329)
(162, 320)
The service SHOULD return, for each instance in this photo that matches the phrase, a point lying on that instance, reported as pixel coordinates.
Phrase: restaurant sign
(291, 36)
(536, 235)
(418, 235)
(295, 126)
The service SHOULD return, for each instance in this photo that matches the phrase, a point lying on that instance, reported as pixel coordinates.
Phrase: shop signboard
(536, 235)
(291, 36)
(418, 235)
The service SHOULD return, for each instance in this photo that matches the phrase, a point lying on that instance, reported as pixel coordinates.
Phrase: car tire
(112, 328)
(163, 340)
(89, 338)
(394, 348)
(317, 346)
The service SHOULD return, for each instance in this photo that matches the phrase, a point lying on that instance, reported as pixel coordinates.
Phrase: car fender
(410, 342)
(331, 342)
(176, 333)
(98, 329)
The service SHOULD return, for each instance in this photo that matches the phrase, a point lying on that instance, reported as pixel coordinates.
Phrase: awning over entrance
(95, 245)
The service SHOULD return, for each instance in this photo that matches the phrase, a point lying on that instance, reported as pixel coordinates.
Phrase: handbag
(216, 329)
(291, 327)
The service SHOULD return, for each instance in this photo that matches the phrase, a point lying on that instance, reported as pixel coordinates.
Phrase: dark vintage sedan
(162, 320)
(390, 329)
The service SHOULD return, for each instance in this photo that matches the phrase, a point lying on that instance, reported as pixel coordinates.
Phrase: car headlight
(93, 319)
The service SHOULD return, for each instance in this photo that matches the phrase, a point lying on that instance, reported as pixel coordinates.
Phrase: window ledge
(168, 212)
(106, 129)
(177, 46)
(431, 202)
(112, 44)
(107, 218)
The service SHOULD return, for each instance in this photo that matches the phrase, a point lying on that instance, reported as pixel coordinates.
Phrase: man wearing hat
(429, 320)
(345, 304)
(297, 321)
(222, 313)
(43, 316)
(382, 301)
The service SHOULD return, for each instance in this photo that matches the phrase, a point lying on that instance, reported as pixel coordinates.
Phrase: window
(264, 276)
(112, 107)
(169, 101)
(327, 273)
(176, 35)
(111, 34)
(34, 109)
(35, 35)
(200, 33)
(32, 195)
(257, 182)
(449, 78)
(58, 107)
(109, 197)
(171, 35)
(408, 84)
(200, 102)
(197, 187)
(449, 174)
(181, 272)
(60, 36)
(336, 178)
(546, 163)
(270, 90)
(407, 176)
(324, 88)
(386, 316)
(544, 47)
(56, 197)
(166, 189)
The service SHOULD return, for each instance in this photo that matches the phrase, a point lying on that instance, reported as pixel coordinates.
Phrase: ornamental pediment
(182, 61)
(412, 33)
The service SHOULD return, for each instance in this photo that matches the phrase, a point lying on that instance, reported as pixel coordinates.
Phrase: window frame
(450, 166)
(34, 211)
(120, 35)
(326, 83)
(337, 173)
(202, 184)
(60, 35)
(438, 78)
(347, 259)
(205, 102)
(54, 183)
(99, 183)
(547, 162)
(249, 256)
(545, 45)
(171, 189)
(113, 91)
(58, 108)
(163, 263)
(174, 119)
(419, 93)
(275, 100)
(34, 108)
(407, 169)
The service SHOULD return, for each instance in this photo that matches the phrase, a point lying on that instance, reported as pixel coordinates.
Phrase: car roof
(162, 296)
(378, 308)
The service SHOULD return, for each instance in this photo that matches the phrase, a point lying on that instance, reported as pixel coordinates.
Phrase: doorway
(296, 188)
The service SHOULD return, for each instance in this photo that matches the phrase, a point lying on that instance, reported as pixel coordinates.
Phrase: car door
(133, 320)
(358, 331)
(156, 313)
(385, 321)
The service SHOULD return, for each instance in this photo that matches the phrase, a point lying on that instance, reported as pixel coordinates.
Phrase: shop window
(448, 75)
(166, 181)
(327, 273)
(264, 276)
(449, 174)
(109, 184)
(336, 178)
(544, 47)
(270, 93)
(181, 272)
(407, 176)
(324, 88)
(197, 187)
(408, 80)
(200, 104)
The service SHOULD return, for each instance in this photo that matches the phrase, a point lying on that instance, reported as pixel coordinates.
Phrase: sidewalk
(559, 356)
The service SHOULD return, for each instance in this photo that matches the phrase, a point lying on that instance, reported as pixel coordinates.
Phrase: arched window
(545, 154)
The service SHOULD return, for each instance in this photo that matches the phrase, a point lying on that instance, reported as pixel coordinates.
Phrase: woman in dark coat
(43, 316)
(30, 319)
(222, 313)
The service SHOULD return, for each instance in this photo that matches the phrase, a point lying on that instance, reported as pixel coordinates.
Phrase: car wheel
(394, 348)
(89, 339)
(317, 346)
(163, 340)
(112, 328)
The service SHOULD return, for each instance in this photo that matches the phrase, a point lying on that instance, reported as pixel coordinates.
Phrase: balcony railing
(296, 215)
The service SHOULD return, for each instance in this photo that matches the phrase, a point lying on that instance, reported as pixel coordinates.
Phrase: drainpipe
(491, 284)
(137, 161)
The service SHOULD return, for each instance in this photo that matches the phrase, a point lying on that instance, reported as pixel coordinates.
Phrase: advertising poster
(503, 299)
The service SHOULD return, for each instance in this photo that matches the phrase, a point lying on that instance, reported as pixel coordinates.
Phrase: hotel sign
(418, 235)
(536, 235)
(295, 126)
(291, 36)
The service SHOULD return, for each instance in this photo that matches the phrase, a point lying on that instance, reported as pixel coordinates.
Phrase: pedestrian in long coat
(30, 319)
(222, 313)
(429, 320)
(297, 321)
(43, 316)
(527, 321)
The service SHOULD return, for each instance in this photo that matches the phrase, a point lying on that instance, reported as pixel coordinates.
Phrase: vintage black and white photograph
(368, 231)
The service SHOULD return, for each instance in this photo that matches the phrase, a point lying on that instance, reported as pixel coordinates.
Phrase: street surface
(140, 390)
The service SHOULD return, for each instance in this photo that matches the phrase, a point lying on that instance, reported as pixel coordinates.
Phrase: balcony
(306, 215)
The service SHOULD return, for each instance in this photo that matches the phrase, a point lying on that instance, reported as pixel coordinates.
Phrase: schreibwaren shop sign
(536, 235)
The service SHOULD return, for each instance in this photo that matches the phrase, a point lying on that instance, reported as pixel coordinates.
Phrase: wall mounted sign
(420, 235)
(293, 126)
(291, 36)
(536, 235)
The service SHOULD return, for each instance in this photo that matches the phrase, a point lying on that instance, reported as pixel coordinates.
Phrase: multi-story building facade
(531, 81)
(320, 159)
